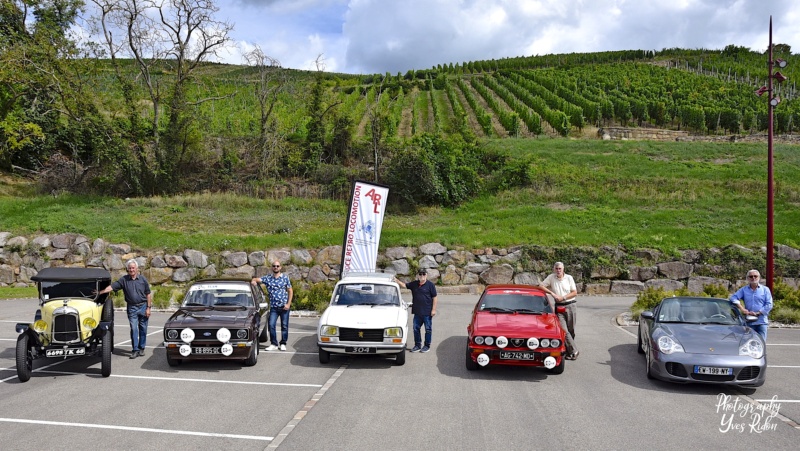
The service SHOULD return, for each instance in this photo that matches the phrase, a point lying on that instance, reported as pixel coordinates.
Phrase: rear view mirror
(750, 317)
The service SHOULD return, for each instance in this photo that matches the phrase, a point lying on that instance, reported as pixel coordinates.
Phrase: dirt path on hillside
(472, 119)
(407, 114)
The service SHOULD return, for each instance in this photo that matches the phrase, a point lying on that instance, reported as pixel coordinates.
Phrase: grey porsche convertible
(703, 340)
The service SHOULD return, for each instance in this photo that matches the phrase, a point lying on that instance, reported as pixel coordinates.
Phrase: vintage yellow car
(72, 321)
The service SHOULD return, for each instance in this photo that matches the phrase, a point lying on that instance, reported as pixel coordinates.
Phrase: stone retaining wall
(453, 270)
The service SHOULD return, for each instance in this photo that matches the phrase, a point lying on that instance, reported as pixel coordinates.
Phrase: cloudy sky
(378, 36)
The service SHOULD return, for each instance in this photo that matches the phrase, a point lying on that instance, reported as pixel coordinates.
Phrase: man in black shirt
(423, 297)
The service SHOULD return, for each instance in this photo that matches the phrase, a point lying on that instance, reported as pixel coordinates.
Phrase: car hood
(209, 318)
(364, 316)
(708, 338)
(517, 325)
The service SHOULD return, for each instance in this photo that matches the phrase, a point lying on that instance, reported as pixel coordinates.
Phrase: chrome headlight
(172, 334)
(489, 341)
(241, 334)
(667, 345)
(545, 343)
(329, 331)
(478, 340)
(393, 332)
(554, 343)
(752, 347)
(40, 326)
(89, 323)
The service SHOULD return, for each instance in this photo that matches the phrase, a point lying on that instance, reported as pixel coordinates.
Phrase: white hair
(131, 262)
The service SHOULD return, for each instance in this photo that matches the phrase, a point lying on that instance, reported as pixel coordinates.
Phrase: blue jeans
(273, 321)
(137, 316)
(761, 329)
(419, 320)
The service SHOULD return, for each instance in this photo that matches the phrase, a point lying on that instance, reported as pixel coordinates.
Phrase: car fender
(24, 328)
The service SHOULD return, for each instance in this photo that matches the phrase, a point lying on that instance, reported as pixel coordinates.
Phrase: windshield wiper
(527, 310)
(497, 309)
(194, 304)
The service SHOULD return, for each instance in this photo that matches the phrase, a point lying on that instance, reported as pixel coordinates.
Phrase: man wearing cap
(562, 287)
(423, 298)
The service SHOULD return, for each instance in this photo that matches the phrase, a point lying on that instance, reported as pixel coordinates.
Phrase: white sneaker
(271, 348)
(283, 347)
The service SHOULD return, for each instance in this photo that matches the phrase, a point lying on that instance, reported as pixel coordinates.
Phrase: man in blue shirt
(139, 300)
(423, 297)
(279, 288)
(757, 302)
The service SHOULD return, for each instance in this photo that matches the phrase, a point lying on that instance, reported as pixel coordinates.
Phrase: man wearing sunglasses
(757, 302)
(279, 289)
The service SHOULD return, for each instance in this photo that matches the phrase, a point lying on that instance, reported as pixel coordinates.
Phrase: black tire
(263, 337)
(470, 364)
(639, 347)
(24, 358)
(401, 358)
(324, 356)
(647, 366)
(108, 347)
(108, 311)
(171, 361)
(558, 369)
(253, 358)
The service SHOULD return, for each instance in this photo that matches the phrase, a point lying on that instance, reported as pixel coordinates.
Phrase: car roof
(371, 277)
(504, 288)
(62, 274)
(693, 298)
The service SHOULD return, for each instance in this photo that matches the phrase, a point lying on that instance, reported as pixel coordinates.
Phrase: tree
(172, 37)
(271, 81)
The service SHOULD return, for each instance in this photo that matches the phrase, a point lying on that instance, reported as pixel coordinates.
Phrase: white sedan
(366, 315)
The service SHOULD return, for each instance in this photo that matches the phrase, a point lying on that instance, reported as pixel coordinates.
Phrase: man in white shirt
(562, 287)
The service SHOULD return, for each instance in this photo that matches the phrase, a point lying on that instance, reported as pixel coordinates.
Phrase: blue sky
(378, 36)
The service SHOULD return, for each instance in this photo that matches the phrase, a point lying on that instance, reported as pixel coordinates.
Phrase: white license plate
(713, 370)
(361, 350)
(517, 355)
(65, 352)
(206, 351)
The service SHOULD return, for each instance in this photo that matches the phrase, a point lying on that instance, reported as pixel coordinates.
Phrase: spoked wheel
(24, 358)
(108, 347)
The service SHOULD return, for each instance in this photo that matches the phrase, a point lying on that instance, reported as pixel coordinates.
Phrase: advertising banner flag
(362, 230)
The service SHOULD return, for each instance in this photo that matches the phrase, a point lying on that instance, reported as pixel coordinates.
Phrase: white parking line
(136, 429)
(276, 442)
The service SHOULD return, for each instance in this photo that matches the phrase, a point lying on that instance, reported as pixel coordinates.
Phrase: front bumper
(241, 350)
(680, 367)
(358, 347)
(538, 361)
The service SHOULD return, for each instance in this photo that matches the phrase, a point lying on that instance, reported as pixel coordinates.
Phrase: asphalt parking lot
(291, 401)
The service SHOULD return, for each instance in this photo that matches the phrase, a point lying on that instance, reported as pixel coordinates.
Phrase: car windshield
(84, 289)
(366, 294)
(698, 311)
(217, 295)
(515, 302)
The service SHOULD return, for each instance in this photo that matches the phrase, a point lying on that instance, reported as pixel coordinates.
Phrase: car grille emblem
(206, 334)
(711, 349)
(360, 334)
(517, 342)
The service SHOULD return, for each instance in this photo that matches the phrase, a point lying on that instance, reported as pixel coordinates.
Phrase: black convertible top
(71, 275)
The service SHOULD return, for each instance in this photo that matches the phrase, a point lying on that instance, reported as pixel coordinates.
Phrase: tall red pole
(770, 181)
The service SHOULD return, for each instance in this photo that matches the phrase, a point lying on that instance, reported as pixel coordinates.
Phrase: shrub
(315, 297)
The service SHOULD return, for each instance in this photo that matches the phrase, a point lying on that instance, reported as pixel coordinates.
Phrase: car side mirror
(647, 314)
(561, 309)
(410, 304)
(750, 318)
(263, 305)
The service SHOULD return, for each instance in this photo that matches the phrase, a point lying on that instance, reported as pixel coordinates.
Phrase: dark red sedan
(515, 325)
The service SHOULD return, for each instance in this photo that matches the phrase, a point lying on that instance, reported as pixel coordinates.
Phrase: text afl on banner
(362, 230)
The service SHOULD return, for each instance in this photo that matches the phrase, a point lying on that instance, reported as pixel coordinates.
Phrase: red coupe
(515, 325)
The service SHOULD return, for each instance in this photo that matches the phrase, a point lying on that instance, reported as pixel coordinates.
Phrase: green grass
(664, 195)
(18, 293)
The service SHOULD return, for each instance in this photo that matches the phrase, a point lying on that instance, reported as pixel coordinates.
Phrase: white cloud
(378, 36)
